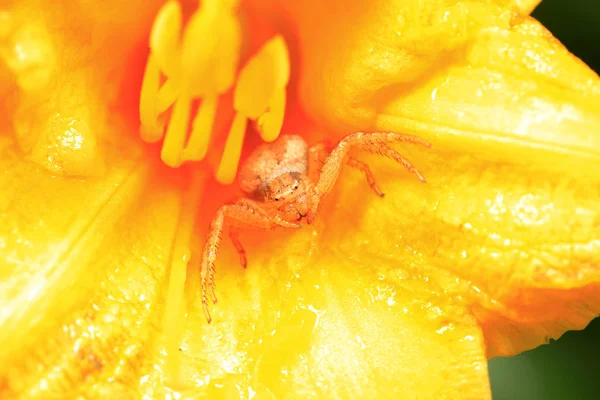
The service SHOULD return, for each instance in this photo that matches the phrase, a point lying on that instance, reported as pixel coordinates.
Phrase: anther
(269, 72)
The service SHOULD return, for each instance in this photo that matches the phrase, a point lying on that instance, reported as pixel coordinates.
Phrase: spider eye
(296, 186)
(276, 198)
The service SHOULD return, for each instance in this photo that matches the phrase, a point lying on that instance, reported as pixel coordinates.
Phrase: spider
(285, 182)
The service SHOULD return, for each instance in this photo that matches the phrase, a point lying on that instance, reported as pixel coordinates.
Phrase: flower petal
(307, 319)
(512, 202)
(301, 319)
(61, 119)
(373, 302)
(525, 7)
(522, 255)
(88, 297)
(290, 322)
(83, 267)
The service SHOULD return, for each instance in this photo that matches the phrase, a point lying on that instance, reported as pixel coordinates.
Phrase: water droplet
(434, 94)
(186, 255)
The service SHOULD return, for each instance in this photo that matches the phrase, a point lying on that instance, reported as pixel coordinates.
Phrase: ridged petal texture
(512, 205)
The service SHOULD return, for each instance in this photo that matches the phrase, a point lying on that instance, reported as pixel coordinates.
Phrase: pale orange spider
(285, 181)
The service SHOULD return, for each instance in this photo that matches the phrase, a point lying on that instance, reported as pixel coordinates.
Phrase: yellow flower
(402, 297)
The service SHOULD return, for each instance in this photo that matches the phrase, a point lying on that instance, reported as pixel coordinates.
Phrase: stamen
(167, 95)
(164, 46)
(202, 64)
(164, 37)
(233, 150)
(269, 124)
(203, 123)
(261, 87)
(259, 96)
(151, 130)
(175, 137)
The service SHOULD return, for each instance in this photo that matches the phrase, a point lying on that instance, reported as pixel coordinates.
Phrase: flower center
(201, 64)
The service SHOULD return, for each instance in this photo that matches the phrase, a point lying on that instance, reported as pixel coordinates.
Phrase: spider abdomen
(289, 153)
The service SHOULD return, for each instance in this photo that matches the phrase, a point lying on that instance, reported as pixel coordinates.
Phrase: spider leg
(244, 213)
(317, 155)
(375, 140)
(209, 256)
(234, 236)
(387, 151)
(354, 163)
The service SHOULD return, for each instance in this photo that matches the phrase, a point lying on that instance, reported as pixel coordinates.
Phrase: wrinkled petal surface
(89, 294)
(513, 195)
(62, 119)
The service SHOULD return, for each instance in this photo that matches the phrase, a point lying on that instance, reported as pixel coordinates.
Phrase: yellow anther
(201, 65)
(165, 37)
(209, 69)
(269, 123)
(261, 86)
(164, 49)
(210, 50)
(260, 96)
